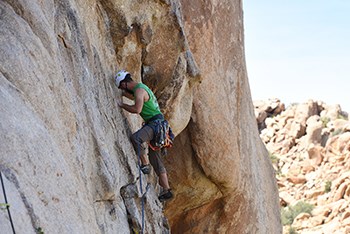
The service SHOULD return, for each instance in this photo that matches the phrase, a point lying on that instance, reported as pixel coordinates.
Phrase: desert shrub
(274, 159)
(337, 132)
(289, 213)
(292, 230)
(325, 121)
(327, 187)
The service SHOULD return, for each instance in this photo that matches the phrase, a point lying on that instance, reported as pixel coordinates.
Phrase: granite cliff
(65, 156)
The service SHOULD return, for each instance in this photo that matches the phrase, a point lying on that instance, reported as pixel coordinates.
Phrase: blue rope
(7, 206)
(140, 176)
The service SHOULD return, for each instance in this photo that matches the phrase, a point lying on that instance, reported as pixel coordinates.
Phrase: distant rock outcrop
(309, 144)
(65, 154)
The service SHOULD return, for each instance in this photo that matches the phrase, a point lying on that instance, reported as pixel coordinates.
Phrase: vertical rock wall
(65, 149)
(65, 154)
(220, 149)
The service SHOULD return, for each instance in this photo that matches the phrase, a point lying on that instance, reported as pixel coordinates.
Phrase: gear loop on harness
(163, 135)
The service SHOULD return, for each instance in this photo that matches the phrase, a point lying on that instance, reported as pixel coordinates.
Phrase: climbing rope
(141, 190)
(7, 206)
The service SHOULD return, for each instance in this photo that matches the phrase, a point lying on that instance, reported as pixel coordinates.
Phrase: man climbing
(145, 104)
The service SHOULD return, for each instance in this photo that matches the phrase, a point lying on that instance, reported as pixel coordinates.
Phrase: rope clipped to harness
(163, 135)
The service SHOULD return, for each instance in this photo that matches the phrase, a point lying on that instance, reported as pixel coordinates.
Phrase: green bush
(292, 230)
(327, 187)
(337, 132)
(325, 121)
(289, 213)
(274, 159)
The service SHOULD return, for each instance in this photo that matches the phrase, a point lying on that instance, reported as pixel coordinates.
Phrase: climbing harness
(163, 135)
(7, 206)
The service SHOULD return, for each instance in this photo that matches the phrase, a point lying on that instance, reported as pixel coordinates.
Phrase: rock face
(219, 147)
(65, 156)
(309, 145)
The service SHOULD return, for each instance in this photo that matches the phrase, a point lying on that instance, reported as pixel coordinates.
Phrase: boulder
(313, 130)
(297, 180)
(287, 198)
(341, 124)
(296, 129)
(300, 218)
(315, 154)
(305, 110)
(331, 111)
(339, 194)
(339, 144)
(311, 142)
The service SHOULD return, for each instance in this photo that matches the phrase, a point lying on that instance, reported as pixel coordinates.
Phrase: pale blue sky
(298, 50)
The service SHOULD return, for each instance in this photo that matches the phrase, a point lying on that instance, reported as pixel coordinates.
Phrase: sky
(298, 50)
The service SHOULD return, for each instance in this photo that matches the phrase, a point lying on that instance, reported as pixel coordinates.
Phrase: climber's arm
(128, 95)
(139, 100)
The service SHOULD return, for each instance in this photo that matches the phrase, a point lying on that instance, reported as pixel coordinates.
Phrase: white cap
(120, 76)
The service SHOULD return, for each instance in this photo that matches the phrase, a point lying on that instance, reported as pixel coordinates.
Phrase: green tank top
(151, 107)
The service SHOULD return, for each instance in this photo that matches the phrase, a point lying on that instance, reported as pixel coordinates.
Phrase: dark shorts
(139, 140)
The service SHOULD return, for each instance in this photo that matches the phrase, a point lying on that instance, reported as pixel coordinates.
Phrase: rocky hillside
(65, 156)
(309, 145)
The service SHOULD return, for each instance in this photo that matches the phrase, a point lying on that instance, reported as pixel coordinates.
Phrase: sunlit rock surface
(65, 155)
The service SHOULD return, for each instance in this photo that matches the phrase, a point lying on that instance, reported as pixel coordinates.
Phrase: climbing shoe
(146, 169)
(165, 195)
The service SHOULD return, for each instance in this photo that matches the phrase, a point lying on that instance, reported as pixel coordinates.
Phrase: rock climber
(145, 104)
